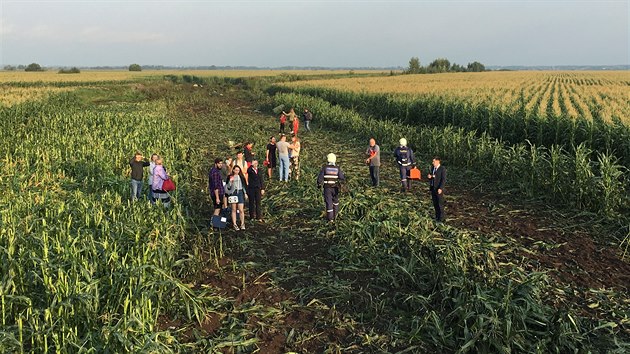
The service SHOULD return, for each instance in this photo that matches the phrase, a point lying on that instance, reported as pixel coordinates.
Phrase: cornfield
(565, 109)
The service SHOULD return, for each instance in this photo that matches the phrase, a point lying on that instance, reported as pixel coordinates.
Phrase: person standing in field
(137, 164)
(406, 160)
(283, 121)
(151, 170)
(283, 156)
(374, 161)
(226, 168)
(240, 162)
(159, 176)
(270, 158)
(296, 126)
(235, 186)
(291, 116)
(294, 158)
(255, 191)
(330, 178)
(215, 186)
(437, 180)
(308, 117)
(249, 153)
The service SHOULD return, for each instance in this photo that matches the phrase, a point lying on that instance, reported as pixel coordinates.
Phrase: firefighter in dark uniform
(406, 161)
(330, 177)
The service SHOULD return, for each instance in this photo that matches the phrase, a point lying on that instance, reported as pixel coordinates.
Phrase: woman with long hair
(235, 187)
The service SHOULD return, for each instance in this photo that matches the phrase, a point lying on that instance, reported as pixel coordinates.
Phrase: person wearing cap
(330, 177)
(437, 180)
(406, 161)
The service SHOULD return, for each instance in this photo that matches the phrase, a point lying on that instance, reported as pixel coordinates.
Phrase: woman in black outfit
(271, 156)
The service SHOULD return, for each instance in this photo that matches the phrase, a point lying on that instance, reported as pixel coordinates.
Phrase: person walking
(151, 169)
(159, 176)
(283, 156)
(255, 191)
(294, 158)
(437, 180)
(406, 160)
(330, 178)
(308, 117)
(270, 157)
(283, 121)
(374, 161)
(215, 186)
(137, 164)
(235, 186)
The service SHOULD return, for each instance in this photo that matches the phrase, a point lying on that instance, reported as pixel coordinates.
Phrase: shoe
(236, 228)
(242, 226)
(261, 221)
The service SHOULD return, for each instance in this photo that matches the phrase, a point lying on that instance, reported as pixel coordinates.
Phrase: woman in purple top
(159, 176)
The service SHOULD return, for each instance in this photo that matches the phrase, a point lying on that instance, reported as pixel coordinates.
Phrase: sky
(368, 33)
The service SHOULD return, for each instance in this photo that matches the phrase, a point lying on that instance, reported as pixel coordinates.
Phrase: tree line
(441, 65)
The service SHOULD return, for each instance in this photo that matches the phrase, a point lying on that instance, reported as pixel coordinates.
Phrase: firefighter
(330, 177)
(406, 161)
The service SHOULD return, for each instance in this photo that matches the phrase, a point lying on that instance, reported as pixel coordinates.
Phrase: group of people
(233, 181)
(294, 122)
(157, 176)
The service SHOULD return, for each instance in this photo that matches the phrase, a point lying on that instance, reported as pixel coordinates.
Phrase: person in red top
(296, 125)
(283, 120)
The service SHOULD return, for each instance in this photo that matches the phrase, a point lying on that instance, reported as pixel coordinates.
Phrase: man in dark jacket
(308, 117)
(437, 180)
(255, 190)
(137, 164)
(330, 177)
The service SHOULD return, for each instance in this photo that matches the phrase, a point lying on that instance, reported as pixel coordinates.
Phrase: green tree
(476, 67)
(33, 67)
(414, 66)
(440, 65)
(9, 68)
(135, 67)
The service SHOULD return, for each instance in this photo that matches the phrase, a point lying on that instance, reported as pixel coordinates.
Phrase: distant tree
(414, 66)
(33, 67)
(135, 67)
(21, 67)
(457, 68)
(476, 67)
(9, 68)
(72, 70)
(440, 65)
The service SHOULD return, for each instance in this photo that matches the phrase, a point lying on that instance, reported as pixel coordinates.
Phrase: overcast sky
(313, 33)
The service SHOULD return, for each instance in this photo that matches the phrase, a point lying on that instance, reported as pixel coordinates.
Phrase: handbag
(168, 185)
(233, 199)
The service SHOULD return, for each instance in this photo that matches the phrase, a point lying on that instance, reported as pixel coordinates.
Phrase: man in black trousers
(437, 180)
(255, 190)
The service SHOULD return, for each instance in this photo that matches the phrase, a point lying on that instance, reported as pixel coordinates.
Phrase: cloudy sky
(313, 33)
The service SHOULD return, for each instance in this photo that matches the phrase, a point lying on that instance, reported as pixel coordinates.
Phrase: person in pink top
(159, 176)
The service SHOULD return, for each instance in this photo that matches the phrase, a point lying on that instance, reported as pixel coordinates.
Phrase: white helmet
(331, 158)
(403, 142)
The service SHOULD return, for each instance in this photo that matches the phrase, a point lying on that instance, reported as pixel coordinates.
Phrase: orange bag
(415, 173)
